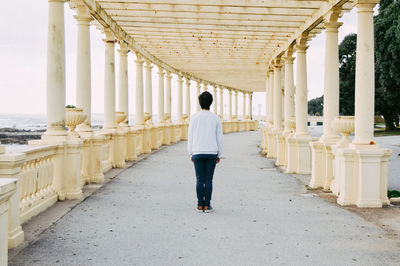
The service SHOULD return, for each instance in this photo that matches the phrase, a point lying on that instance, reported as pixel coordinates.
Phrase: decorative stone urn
(167, 118)
(119, 117)
(147, 117)
(185, 117)
(344, 125)
(74, 117)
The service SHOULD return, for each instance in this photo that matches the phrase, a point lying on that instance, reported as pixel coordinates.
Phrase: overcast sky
(23, 27)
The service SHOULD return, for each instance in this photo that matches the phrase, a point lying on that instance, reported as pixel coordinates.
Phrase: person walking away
(205, 147)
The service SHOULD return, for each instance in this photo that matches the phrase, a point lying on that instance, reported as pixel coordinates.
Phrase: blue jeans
(204, 165)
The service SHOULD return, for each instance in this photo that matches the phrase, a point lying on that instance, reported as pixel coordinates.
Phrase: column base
(317, 164)
(73, 195)
(15, 237)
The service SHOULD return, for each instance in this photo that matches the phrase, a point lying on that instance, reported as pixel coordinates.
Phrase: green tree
(347, 73)
(387, 55)
(316, 106)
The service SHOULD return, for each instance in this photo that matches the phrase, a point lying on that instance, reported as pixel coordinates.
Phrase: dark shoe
(208, 209)
(200, 209)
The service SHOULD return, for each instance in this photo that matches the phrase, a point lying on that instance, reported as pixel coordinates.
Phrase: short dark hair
(205, 100)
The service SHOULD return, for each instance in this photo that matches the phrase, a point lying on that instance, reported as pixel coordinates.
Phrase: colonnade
(62, 162)
(355, 171)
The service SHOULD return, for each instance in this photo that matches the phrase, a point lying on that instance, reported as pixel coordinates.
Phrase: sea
(38, 122)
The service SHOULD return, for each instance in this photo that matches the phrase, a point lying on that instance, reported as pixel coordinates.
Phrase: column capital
(83, 16)
(160, 71)
(366, 5)
(187, 81)
(180, 79)
(198, 84)
(288, 57)
(168, 74)
(139, 59)
(230, 92)
(301, 43)
(277, 63)
(148, 65)
(123, 48)
(221, 89)
(109, 39)
(333, 15)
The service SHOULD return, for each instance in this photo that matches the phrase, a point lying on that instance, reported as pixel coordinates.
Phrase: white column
(123, 94)
(198, 87)
(168, 93)
(250, 105)
(277, 96)
(139, 118)
(160, 114)
(230, 106)
(267, 97)
(365, 69)
(271, 97)
(331, 82)
(187, 109)
(301, 88)
(244, 105)
(236, 104)
(56, 70)
(83, 69)
(148, 107)
(180, 99)
(289, 89)
(221, 102)
(109, 82)
(215, 102)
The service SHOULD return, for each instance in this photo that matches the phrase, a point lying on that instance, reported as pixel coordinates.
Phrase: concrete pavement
(146, 216)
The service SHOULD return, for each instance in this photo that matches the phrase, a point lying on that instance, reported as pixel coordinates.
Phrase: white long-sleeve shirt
(205, 134)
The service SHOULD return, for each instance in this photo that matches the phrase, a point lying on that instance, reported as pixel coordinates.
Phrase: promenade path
(146, 216)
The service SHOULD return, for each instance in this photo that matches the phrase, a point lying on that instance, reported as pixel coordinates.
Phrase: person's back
(203, 134)
(205, 146)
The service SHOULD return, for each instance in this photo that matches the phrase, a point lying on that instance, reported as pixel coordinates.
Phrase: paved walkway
(146, 216)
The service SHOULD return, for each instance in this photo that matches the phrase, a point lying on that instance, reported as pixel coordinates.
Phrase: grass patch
(310, 188)
(393, 194)
(382, 132)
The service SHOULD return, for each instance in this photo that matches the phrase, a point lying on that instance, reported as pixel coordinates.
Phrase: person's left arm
(219, 139)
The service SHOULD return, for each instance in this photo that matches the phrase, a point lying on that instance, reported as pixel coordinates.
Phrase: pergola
(222, 43)
(238, 46)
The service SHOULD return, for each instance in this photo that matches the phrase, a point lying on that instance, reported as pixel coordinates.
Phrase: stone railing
(36, 191)
(57, 168)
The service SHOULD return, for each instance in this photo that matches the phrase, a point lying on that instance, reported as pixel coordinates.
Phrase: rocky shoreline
(19, 136)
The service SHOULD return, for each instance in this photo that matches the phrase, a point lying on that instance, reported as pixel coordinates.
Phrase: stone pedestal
(318, 164)
(8, 188)
(271, 144)
(280, 148)
(303, 155)
(131, 145)
(120, 149)
(184, 131)
(147, 143)
(155, 142)
(292, 154)
(10, 169)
